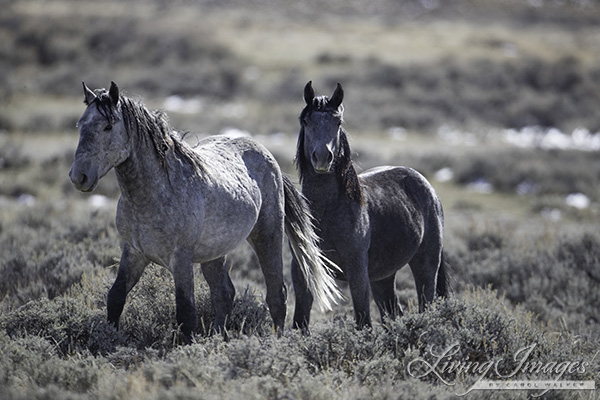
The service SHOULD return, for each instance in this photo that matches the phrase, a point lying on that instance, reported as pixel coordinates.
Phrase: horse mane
(342, 164)
(345, 168)
(149, 124)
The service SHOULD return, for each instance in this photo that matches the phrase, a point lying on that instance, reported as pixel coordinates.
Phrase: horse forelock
(105, 106)
(323, 104)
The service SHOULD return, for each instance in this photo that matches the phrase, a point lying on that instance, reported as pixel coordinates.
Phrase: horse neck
(321, 187)
(142, 174)
(324, 190)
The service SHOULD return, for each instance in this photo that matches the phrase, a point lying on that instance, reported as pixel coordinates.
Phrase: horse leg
(182, 268)
(358, 281)
(222, 291)
(424, 267)
(304, 299)
(268, 248)
(384, 294)
(131, 267)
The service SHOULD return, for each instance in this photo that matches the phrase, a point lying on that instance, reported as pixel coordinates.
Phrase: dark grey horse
(181, 206)
(371, 224)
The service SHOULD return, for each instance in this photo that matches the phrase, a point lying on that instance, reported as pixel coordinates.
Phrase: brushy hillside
(435, 85)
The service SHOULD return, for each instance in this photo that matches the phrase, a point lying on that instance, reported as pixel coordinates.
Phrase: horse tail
(442, 287)
(315, 267)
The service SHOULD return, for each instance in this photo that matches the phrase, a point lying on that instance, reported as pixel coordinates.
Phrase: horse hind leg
(424, 267)
(384, 294)
(222, 291)
(267, 241)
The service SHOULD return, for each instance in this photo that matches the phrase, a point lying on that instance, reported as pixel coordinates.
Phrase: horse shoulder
(398, 194)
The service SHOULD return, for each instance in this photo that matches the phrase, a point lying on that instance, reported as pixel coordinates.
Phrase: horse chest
(342, 226)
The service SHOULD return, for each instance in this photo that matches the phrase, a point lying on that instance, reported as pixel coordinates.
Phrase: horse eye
(108, 127)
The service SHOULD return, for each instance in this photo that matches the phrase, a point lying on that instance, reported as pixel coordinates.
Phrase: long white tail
(316, 268)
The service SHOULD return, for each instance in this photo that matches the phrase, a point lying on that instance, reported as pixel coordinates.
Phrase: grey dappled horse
(180, 206)
(371, 224)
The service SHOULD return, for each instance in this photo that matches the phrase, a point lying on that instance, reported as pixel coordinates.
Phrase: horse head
(321, 128)
(103, 139)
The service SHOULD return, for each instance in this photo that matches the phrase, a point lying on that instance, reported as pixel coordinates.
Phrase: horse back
(389, 188)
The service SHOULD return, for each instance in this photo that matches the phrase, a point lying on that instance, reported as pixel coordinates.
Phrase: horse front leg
(357, 274)
(131, 267)
(304, 299)
(182, 268)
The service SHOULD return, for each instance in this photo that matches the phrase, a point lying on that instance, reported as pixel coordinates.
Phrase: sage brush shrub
(45, 252)
(68, 323)
(556, 279)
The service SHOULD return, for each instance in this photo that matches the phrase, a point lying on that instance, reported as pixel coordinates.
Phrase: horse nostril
(313, 157)
(329, 157)
(79, 179)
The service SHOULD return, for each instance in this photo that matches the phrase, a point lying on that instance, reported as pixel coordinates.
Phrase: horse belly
(220, 239)
(393, 245)
(228, 221)
(384, 261)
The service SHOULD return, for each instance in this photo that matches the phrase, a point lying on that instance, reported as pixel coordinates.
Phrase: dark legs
(424, 267)
(131, 267)
(384, 294)
(359, 290)
(357, 274)
(183, 274)
(222, 291)
(267, 241)
(270, 259)
(304, 299)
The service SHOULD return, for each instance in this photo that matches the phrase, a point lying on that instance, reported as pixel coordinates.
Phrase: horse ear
(337, 97)
(88, 95)
(309, 93)
(113, 93)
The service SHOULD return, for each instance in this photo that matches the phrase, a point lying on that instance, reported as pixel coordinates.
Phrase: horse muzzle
(84, 179)
(322, 162)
